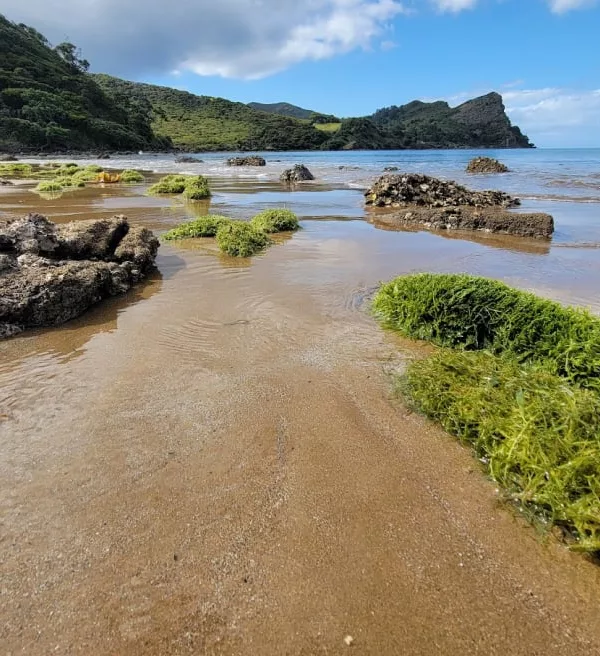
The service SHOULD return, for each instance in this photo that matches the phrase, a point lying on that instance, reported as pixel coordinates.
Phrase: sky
(351, 57)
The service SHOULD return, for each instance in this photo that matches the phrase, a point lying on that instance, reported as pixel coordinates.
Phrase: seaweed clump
(205, 226)
(276, 220)
(241, 239)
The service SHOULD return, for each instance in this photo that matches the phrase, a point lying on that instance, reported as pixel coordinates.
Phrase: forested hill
(49, 102)
(282, 108)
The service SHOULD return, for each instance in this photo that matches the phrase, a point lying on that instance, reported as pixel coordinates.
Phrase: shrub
(49, 186)
(277, 220)
(196, 188)
(241, 239)
(130, 176)
(538, 436)
(475, 313)
(170, 184)
(205, 226)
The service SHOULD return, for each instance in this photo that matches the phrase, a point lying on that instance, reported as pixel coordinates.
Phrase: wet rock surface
(298, 173)
(486, 165)
(52, 273)
(187, 159)
(252, 160)
(491, 220)
(413, 189)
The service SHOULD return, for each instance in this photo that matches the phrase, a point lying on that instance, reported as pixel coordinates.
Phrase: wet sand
(215, 464)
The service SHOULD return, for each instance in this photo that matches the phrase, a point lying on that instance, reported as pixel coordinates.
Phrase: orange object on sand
(105, 176)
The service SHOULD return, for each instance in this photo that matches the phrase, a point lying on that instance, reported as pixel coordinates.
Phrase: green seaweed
(474, 313)
(49, 186)
(276, 220)
(241, 239)
(196, 188)
(16, 169)
(169, 184)
(538, 435)
(130, 176)
(204, 226)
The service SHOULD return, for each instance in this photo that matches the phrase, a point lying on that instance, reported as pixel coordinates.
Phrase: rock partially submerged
(422, 190)
(52, 273)
(187, 159)
(251, 160)
(486, 165)
(5, 183)
(488, 219)
(299, 173)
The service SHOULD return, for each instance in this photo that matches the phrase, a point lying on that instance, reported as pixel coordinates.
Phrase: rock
(52, 273)
(103, 156)
(411, 189)
(299, 173)
(187, 159)
(8, 158)
(390, 168)
(91, 240)
(251, 160)
(491, 219)
(486, 165)
(5, 183)
(349, 168)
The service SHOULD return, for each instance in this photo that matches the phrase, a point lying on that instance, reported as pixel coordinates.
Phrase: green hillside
(204, 123)
(49, 102)
(283, 109)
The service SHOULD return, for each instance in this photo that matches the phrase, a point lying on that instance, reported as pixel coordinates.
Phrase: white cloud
(562, 6)
(233, 38)
(454, 5)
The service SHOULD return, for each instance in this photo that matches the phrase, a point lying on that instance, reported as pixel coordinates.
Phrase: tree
(72, 55)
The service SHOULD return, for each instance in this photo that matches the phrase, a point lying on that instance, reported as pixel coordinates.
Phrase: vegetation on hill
(49, 102)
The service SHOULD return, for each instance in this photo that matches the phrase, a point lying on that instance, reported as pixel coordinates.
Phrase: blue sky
(350, 57)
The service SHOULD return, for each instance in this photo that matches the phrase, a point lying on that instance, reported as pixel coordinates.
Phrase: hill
(204, 123)
(283, 109)
(49, 102)
(478, 123)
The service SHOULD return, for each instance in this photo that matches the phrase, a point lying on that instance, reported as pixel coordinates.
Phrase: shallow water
(212, 464)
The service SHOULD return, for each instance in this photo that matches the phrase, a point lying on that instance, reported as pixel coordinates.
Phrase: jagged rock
(299, 173)
(52, 273)
(5, 183)
(187, 159)
(91, 240)
(490, 219)
(486, 165)
(252, 160)
(390, 168)
(413, 189)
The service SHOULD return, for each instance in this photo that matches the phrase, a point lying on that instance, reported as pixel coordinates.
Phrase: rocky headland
(420, 200)
(51, 273)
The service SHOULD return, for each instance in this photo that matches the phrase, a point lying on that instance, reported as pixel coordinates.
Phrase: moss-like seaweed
(241, 239)
(49, 186)
(130, 176)
(169, 184)
(538, 436)
(16, 169)
(475, 313)
(196, 188)
(205, 226)
(276, 220)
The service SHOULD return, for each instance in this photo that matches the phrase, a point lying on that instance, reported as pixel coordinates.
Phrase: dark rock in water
(5, 183)
(413, 189)
(490, 219)
(103, 156)
(251, 160)
(299, 173)
(349, 168)
(187, 159)
(52, 273)
(390, 168)
(486, 165)
(8, 158)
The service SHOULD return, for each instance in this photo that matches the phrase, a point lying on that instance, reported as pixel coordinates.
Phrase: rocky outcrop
(52, 273)
(187, 159)
(390, 169)
(252, 160)
(299, 173)
(486, 165)
(413, 189)
(489, 219)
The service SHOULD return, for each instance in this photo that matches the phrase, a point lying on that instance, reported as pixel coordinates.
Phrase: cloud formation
(562, 6)
(245, 39)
